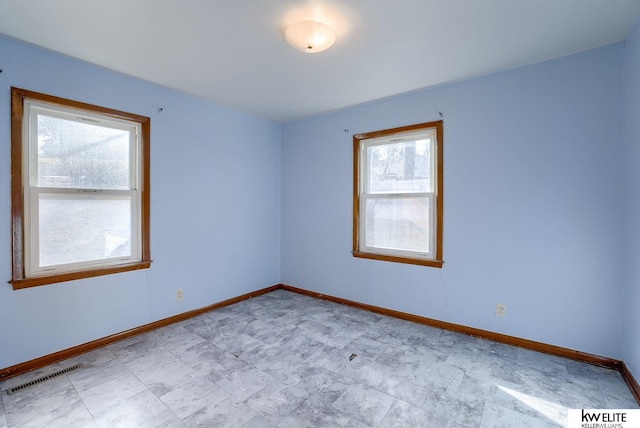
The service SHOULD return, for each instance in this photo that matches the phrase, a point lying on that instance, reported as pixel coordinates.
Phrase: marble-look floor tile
(354, 423)
(543, 363)
(3, 417)
(165, 334)
(496, 416)
(450, 408)
(207, 358)
(288, 360)
(405, 415)
(404, 361)
(265, 355)
(130, 411)
(239, 344)
(397, 330)
(480, 362)
(478, 384)
(258, 421)
(275, 332)
(405, 390)
(327, 334)
(536, 405)
(166, 419)
(133, 348)
(179, 344)
(71, 416)
(92, 374)
(161, 371)
(107, 394)
(226, 413)
(191, 397)
(241, 385)
(275, 402)
(307, 416)
(288, 370)
(366, 347)
(46, 406)
(366, 371)
(323, 388)
(439, 346)
(302, 346)
(364, 404)
(439, 373)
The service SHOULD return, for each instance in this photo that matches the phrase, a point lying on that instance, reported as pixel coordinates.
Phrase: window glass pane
(398, 224)
(79, 229)
(74, 154)
(400, 167)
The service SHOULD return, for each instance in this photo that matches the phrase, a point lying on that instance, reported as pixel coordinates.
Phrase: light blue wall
(532, 206)
(631, 337)
(215, 210)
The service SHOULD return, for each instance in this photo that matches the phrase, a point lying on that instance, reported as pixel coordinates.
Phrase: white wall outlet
(179, 294)
(501, 310)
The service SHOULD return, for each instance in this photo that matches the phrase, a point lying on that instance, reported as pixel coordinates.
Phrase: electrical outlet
(179, 294)
(501, 310)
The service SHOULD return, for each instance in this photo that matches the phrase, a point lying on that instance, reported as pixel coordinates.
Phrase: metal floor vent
(42, 379)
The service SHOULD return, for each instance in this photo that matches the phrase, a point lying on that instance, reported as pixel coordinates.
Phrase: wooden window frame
(358, 141)
(18, 216)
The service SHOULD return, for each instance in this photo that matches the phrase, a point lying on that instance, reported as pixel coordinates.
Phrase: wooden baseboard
(483, 334)
(584, 357)
(632, 383)
(89, 346)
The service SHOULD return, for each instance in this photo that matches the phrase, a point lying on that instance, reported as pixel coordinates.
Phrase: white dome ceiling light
(310, 36)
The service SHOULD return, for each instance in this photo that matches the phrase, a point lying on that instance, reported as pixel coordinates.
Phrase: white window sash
(32, 191)
(365, 195)
(364, 198)
(33, 233)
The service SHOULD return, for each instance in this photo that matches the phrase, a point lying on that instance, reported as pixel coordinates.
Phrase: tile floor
(283, 360)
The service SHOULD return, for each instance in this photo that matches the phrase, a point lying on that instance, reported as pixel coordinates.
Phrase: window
(79, 190)
(397, 195)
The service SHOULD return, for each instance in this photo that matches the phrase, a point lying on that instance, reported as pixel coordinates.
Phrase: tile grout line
(388, 410)
(405, 336)
(93, 418)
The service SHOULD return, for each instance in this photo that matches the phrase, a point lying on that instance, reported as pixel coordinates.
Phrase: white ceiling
(233, 52)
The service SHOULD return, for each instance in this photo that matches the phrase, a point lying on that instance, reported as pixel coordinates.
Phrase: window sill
(70, 276)
(396, 259)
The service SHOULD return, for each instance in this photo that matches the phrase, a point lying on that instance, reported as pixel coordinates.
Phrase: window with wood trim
(397, 194)
(79, 190)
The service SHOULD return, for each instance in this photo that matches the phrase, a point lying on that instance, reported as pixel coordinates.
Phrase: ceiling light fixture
(310, 36)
